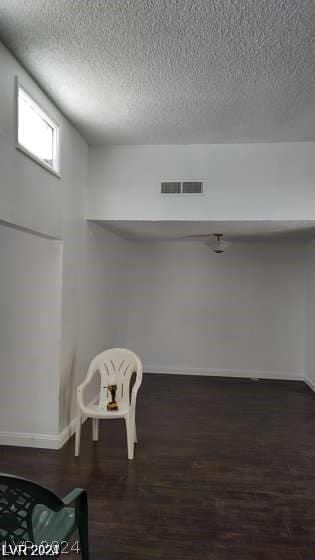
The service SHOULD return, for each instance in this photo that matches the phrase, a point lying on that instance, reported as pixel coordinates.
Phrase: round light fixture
(217, 243)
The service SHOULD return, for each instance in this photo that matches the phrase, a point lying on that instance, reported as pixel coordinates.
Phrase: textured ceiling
(172, 71)
(237, 231)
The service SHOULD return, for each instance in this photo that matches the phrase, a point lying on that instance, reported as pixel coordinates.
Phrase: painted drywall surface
(33, 198)
(90, 264)
(310, 318)
(243, 182)
(30, 307)
(96, 318)
(244, 311)
(106, 288)
(73, 262)
(30, 196)
(93, 289)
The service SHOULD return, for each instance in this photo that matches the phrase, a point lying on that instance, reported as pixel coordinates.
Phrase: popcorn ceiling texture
(172, 71)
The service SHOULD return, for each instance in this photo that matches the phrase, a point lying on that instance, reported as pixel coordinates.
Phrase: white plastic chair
(116, 367)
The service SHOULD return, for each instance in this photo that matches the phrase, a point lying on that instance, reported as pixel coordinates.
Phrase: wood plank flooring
(224, 470)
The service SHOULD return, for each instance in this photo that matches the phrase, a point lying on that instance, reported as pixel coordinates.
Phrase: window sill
(29, 154)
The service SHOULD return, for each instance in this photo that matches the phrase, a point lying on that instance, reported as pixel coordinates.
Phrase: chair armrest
(73, 496)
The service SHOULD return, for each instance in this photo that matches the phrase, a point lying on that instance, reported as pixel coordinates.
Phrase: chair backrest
(18, 498)
(116, 367)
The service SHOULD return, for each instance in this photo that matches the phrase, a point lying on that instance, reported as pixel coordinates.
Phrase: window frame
(55, 168)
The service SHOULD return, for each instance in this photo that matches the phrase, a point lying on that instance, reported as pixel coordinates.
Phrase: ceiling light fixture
(218, 245)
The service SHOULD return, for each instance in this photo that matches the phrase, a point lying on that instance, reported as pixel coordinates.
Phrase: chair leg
(136, 435)
(130, 436)
(95, 429)
(83, 527)
(84, 539)
(77, 435)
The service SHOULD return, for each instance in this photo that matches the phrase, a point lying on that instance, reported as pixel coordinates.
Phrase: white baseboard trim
(212, 372)
(69, 430)
(43, 441)
(20, 439)
(308, 381)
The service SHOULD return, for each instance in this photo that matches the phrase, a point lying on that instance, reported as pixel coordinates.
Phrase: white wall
(88, 268)
(310, 324)
(99, 309)
(241, 313)
(73, 269)
(30, 308)
(30, 196)
(33, 198)
(243, 181)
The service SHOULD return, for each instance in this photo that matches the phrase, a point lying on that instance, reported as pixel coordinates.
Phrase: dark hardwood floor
(224, 470)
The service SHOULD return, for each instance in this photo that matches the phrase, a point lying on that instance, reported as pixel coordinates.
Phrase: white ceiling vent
(182, 187)
(171, 187)
(192, 187)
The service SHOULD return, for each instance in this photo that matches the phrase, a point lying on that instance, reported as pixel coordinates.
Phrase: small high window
(37, 133)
